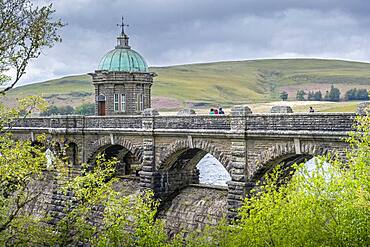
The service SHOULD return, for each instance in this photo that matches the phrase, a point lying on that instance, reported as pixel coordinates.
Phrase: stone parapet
(238, 117)
(281, 109)
(239, 122)
(301, 121)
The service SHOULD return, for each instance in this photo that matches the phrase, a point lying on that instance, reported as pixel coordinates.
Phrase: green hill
(224, 83)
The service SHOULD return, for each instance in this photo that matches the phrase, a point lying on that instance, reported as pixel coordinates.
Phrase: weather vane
(122, 25)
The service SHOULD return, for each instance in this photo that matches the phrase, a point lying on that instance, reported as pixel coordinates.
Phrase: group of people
(216, 111)
(219, 111)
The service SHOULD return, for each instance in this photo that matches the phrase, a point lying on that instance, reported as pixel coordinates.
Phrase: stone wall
(194, 208)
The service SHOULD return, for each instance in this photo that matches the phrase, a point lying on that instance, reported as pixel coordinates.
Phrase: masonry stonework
(166, 149)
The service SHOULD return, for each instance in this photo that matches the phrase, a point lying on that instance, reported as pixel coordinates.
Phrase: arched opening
(127, 163)
(193, 195)
(212, 172)
(285, 162)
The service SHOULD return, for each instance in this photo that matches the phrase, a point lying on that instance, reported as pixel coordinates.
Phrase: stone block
(186, 112)
(281, 109)
(149, 112)
(240, 111)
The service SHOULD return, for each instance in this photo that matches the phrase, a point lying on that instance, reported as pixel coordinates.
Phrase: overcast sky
(168, 32)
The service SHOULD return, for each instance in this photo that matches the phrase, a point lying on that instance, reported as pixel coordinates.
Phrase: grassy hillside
(223, 83)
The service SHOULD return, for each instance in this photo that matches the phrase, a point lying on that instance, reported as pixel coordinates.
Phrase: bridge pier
(149, 177)
(237, 185)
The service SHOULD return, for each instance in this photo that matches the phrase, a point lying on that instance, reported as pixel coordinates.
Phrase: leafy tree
(66, 110)
(25, 30)
(351, 94)
(314, 95)
(317, 96)
(54, 110)
(22, 181)
(334, 94)
(300, 95)
(356, 94)
(86, 109)
(284, 95)
(362, 94)
(51, 110)
(311, 95)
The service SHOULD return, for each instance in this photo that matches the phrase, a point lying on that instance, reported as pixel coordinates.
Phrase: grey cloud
(169, 32)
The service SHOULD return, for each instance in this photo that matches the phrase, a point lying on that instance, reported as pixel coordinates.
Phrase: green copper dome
(123, 58)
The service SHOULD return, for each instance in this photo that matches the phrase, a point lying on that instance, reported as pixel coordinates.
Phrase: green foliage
(55, 110)
(123, 220)
(334, 94)
(85, 109)
(21, 181)
(284, 95)
(300, 95)
(317, 96)
(25, 30)
(356, 94)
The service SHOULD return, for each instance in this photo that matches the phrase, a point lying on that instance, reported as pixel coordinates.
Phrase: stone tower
(122, 82)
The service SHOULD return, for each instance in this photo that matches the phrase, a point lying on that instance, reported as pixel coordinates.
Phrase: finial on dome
(122, 40)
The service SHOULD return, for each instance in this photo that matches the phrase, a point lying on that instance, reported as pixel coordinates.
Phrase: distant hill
(221, 83)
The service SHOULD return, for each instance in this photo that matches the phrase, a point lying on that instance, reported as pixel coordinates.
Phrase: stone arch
(284, 152)
(129, 157)
(282, 149)
(181, 145)
(106, 141)
(177, 184)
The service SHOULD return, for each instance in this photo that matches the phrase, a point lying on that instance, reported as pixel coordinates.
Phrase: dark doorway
(101, 108)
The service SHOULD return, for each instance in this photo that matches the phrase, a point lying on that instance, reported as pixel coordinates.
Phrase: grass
(224, 83)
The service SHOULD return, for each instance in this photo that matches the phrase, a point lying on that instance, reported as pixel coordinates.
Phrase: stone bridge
(162, 151)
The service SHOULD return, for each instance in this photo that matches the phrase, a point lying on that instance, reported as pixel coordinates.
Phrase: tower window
(140, 102)
(116, 103)
(123, 102)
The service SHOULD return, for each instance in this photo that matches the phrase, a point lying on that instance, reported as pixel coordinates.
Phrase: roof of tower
(123, 58)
